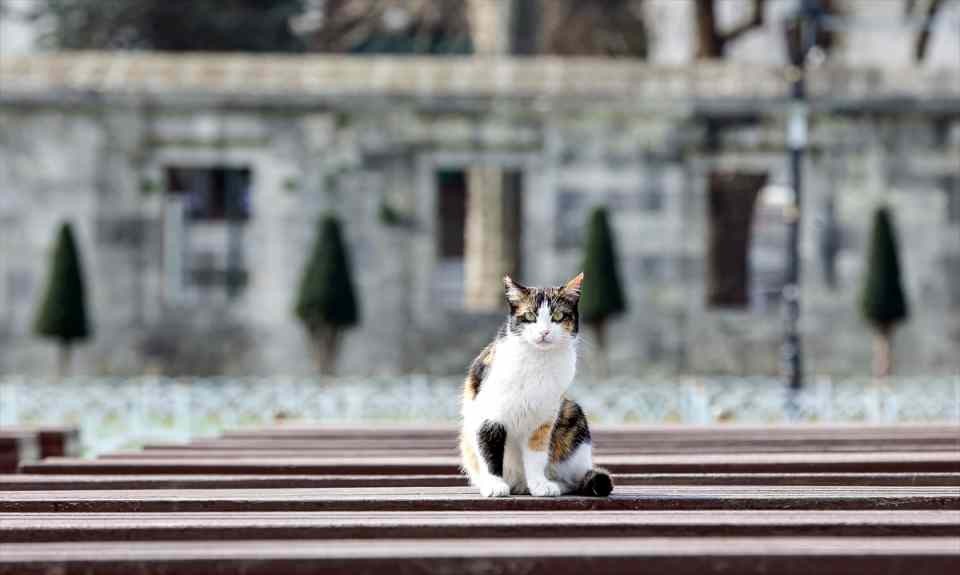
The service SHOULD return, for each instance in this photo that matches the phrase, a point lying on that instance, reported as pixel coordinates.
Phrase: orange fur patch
(540, 438)
(468, 457)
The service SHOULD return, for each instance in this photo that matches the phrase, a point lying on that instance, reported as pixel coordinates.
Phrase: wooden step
(607, 444)
(25, 482)
(186, 526)
(566, 556)
(630, 497)
(926, 462)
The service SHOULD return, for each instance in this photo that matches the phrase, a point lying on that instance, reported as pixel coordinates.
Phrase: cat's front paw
(494, 488)
(544, 488)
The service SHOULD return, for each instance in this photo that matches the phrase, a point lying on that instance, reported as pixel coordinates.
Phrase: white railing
(114, 413)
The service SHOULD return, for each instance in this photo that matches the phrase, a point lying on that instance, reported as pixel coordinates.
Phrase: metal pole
(792, 351)
(792, 354)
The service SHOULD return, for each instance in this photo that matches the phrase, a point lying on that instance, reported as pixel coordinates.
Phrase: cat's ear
(572, 288)
(515, 291)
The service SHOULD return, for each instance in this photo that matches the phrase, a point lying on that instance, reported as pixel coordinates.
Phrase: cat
(521, 434)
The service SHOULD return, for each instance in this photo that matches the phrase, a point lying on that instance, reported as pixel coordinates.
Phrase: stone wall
(99, 159)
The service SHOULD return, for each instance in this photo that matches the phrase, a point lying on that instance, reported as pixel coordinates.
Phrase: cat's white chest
(525, 385)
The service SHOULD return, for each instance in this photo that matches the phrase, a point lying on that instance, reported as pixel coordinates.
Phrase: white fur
(523, 389)
(569, 473)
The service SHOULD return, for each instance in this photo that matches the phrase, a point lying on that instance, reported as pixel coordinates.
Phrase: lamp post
(801, 38)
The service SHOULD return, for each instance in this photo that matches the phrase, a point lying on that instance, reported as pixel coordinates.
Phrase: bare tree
(711, 41)
(562, 27)
(197, 25)
(592, 28)
(922, 40)
(419, 26)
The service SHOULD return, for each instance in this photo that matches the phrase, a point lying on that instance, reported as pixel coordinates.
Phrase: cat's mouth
(543, 342)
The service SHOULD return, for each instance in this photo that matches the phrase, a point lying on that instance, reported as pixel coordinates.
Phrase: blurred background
(215, 212)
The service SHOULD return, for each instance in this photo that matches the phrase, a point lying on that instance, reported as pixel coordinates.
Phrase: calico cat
(520, 433)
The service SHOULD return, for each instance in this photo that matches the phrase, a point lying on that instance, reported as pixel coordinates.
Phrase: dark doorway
(731, 197)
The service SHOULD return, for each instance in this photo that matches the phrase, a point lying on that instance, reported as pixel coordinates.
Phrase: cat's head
(544, 317)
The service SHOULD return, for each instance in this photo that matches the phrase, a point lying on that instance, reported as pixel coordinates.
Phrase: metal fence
(114, 413)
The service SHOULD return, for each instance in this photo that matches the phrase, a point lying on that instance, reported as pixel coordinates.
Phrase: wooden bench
(266, 463)
(377, 448)
(21, 444)
(17, 448)
(50, 482)
(609, 431)
(561, 556)
(52, 440)
(836, 499)
(218, 525)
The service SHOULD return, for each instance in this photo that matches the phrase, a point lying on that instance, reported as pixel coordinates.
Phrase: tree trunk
(63, 361)
(600, 333)
(922, 40)
(709, 43)
(490, 26)
(326, 346)
(882, 353)
(484, 245)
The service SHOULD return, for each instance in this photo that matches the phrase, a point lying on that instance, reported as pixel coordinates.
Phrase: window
(513, 220)
(731, 198)
(204, 246)
(212, 194)
(451, 213)
(951, 186)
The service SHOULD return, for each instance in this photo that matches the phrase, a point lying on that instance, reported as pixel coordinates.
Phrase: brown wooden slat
(65, 526)
(677, 556)
(726, 431)
(660, 443)
(48, 482)
(25, 482)
(927, 462)
(435, 448)
(658, 498)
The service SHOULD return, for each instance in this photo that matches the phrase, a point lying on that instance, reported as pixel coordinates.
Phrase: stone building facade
(194, 183)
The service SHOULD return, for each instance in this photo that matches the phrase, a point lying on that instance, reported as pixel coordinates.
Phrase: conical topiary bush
(62, 315)
(602, 297)
(326, 303)
(883, 302)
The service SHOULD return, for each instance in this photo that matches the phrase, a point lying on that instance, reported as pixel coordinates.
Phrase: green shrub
(602, 296)
(326, 302)
(883, 302)
(62, 315)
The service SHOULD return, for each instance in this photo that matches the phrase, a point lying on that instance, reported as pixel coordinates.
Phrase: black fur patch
(569, 431)
(596, 483)
(479, 368)
(492, 438)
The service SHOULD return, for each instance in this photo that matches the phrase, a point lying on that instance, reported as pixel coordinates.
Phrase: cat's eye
(530, 317)
(557, 316)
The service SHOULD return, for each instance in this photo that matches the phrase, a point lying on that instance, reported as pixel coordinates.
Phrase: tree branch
(922, 40)
(711, 41)
(755, 21)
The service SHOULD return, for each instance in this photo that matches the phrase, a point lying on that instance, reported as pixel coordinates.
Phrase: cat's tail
(596, 483)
